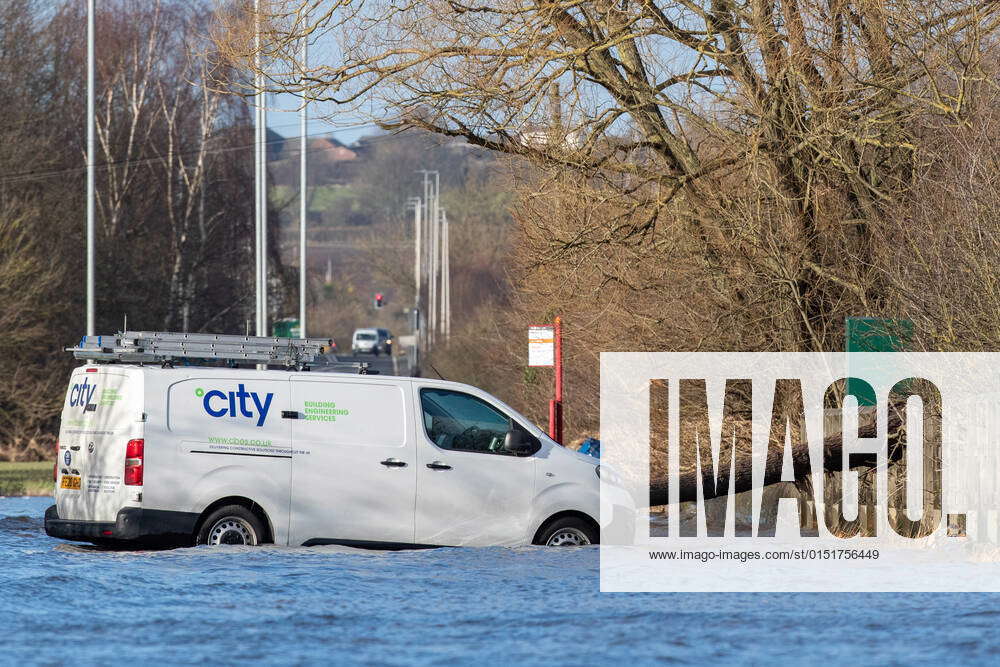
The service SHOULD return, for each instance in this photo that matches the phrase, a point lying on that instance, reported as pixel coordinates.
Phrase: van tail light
(55, 465)
(133, 463)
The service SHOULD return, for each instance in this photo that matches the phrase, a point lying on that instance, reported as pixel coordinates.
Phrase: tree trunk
(742, 470)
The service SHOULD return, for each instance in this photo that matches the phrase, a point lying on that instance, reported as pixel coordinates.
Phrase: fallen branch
(740, 476)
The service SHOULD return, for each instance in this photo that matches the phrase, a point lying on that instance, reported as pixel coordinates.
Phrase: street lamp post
(91, 170)
(302, 201)
(260, 180)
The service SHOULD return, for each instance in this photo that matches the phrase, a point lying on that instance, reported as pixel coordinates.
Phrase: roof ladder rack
(165, 347)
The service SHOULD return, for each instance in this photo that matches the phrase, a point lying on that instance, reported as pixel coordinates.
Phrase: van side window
(461, 422)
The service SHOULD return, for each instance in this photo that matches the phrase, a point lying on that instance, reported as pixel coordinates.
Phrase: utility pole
(426, 250)
(417, 204)
(433, 229)
(432, 315)
(432, 252)
(91, 169)
(303, 183)
(437, 253)
(446, 270)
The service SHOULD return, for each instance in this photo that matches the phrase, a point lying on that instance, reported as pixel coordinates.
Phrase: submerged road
(338, 605)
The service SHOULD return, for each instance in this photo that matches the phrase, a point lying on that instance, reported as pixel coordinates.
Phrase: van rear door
(101, 414)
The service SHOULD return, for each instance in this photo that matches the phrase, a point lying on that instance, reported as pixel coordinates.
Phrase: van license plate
(70, 482)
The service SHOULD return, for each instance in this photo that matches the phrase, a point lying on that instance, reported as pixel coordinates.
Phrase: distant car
(371, 341)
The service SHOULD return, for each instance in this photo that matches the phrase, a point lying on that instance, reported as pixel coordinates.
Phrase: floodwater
(61, 603)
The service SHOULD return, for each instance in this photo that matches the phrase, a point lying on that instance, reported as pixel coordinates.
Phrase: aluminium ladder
(165, 347)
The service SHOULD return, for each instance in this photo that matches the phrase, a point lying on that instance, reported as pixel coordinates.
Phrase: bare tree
(817, 106)
(126, 113)
(713, 173)
(190, 114)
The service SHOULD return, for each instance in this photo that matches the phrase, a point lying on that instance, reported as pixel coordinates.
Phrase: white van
(371, 341)
(240, 456)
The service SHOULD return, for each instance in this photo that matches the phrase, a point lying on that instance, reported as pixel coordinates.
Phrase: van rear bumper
(131, 524)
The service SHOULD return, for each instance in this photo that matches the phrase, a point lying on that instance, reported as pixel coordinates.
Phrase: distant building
(535, 136)
(328, 149)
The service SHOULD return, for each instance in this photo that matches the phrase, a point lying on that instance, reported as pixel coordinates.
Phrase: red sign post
(556, 404)
(545, 349)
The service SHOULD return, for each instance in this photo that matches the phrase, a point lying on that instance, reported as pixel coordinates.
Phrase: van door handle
(394, 463)
(437, 465)
(289, 414)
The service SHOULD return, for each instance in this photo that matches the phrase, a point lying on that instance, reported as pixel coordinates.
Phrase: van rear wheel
(232, 524)
(569, 531)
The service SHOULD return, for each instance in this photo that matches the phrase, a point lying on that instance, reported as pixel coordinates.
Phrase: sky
(283, 118)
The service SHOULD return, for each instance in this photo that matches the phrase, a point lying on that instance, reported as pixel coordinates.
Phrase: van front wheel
(232, 524)
(569, 531)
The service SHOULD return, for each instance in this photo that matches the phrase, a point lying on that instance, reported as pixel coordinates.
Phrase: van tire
(232, 524)
(569, 531)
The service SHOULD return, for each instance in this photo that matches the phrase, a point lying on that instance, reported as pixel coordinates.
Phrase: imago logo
(706, 472)
(744, 458)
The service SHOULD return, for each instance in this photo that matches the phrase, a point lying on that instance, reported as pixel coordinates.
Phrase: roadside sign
(541, 346)
(287, 328)
(873, 334)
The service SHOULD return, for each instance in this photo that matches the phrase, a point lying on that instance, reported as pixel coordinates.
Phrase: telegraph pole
(417, 204)
(446, 270)
(302, 200)
(438, 292)
(433, 316)
(426, 250)
(432, 220)
(91, 169)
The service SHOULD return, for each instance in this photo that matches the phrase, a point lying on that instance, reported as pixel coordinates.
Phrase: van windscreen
(364, 336)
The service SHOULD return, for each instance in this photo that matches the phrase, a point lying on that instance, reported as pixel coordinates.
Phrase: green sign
(287, 328)
(874, 334)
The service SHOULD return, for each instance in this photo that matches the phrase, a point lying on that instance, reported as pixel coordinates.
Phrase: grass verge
(26, 479)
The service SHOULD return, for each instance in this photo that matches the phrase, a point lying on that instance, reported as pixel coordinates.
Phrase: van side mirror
(518, 441)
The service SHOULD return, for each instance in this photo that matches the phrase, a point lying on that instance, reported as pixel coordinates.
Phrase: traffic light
(378, 299)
